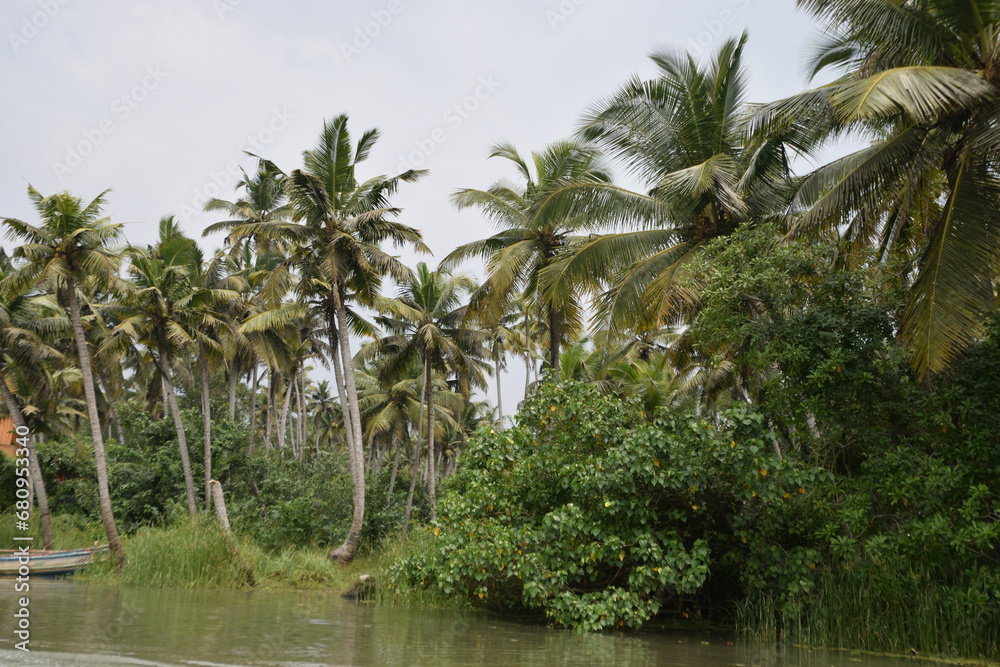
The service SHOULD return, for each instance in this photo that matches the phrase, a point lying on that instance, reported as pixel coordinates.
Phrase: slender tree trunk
(269, 410)
(253, 409)
(554, 342)
(338, 378)
(206, 420)
(175, 410)
(34, 469)
(395, 469)
(345, 552)
(283, 415)
(499, 397)
(234, 379)
(121, 433)
(300, 415)
(431, 461)
(416, 462)
(107, 515)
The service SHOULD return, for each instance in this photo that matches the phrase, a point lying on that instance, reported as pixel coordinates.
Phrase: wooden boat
(42, 562)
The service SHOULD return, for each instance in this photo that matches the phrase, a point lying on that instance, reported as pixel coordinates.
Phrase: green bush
(589, 513)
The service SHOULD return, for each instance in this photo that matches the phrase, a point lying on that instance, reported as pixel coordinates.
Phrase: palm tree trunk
(499, 397)
(345, 552)
(300, 411)
(234, 378)
(283, 415)
(395, 469)
(34, 469)
(253, 409)
(416, 462)
(269, 410)
(431, 461)
(554, 342)
(338, 378)
(175, 411)
(107, 515)
(206, 420)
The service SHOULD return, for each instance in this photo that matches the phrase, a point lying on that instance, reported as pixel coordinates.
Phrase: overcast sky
(157, 101)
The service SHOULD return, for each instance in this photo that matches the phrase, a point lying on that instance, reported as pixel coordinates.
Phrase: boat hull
(41, 562)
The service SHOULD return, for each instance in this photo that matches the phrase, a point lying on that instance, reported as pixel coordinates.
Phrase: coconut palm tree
(161, 307)
(72, 243)
(22, 347)
(680, 133)
(427, 324)
(336, 254)
(924, 78)
(532, 234)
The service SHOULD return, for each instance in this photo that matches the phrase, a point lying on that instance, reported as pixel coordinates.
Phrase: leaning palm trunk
(107, 515)
(44, 518)
(345, 552)
(175, 411)
(206, 420)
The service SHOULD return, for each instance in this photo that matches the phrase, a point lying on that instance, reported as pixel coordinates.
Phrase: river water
(77, 624)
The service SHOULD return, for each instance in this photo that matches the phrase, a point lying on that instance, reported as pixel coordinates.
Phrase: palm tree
(73, 242)
(210, 324)
(21, 346)
(264, 204)
(680, 133)
(336, 250)
(532, 234)
(321, 405)
(426, 323)
(924, 78)
(161, 308)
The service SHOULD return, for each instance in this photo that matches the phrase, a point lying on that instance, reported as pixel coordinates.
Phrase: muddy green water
(75, 624)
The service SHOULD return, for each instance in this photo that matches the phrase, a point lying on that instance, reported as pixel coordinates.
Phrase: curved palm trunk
(206, 420)
(44, 517)
(345, 552)
(107, 514)
(175, 411)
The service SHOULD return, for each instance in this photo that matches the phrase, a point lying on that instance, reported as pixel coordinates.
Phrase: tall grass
(879, 610)
(191, 554)
(69, 532)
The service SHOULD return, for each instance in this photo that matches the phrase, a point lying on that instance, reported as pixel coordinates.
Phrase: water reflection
(75, 624)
